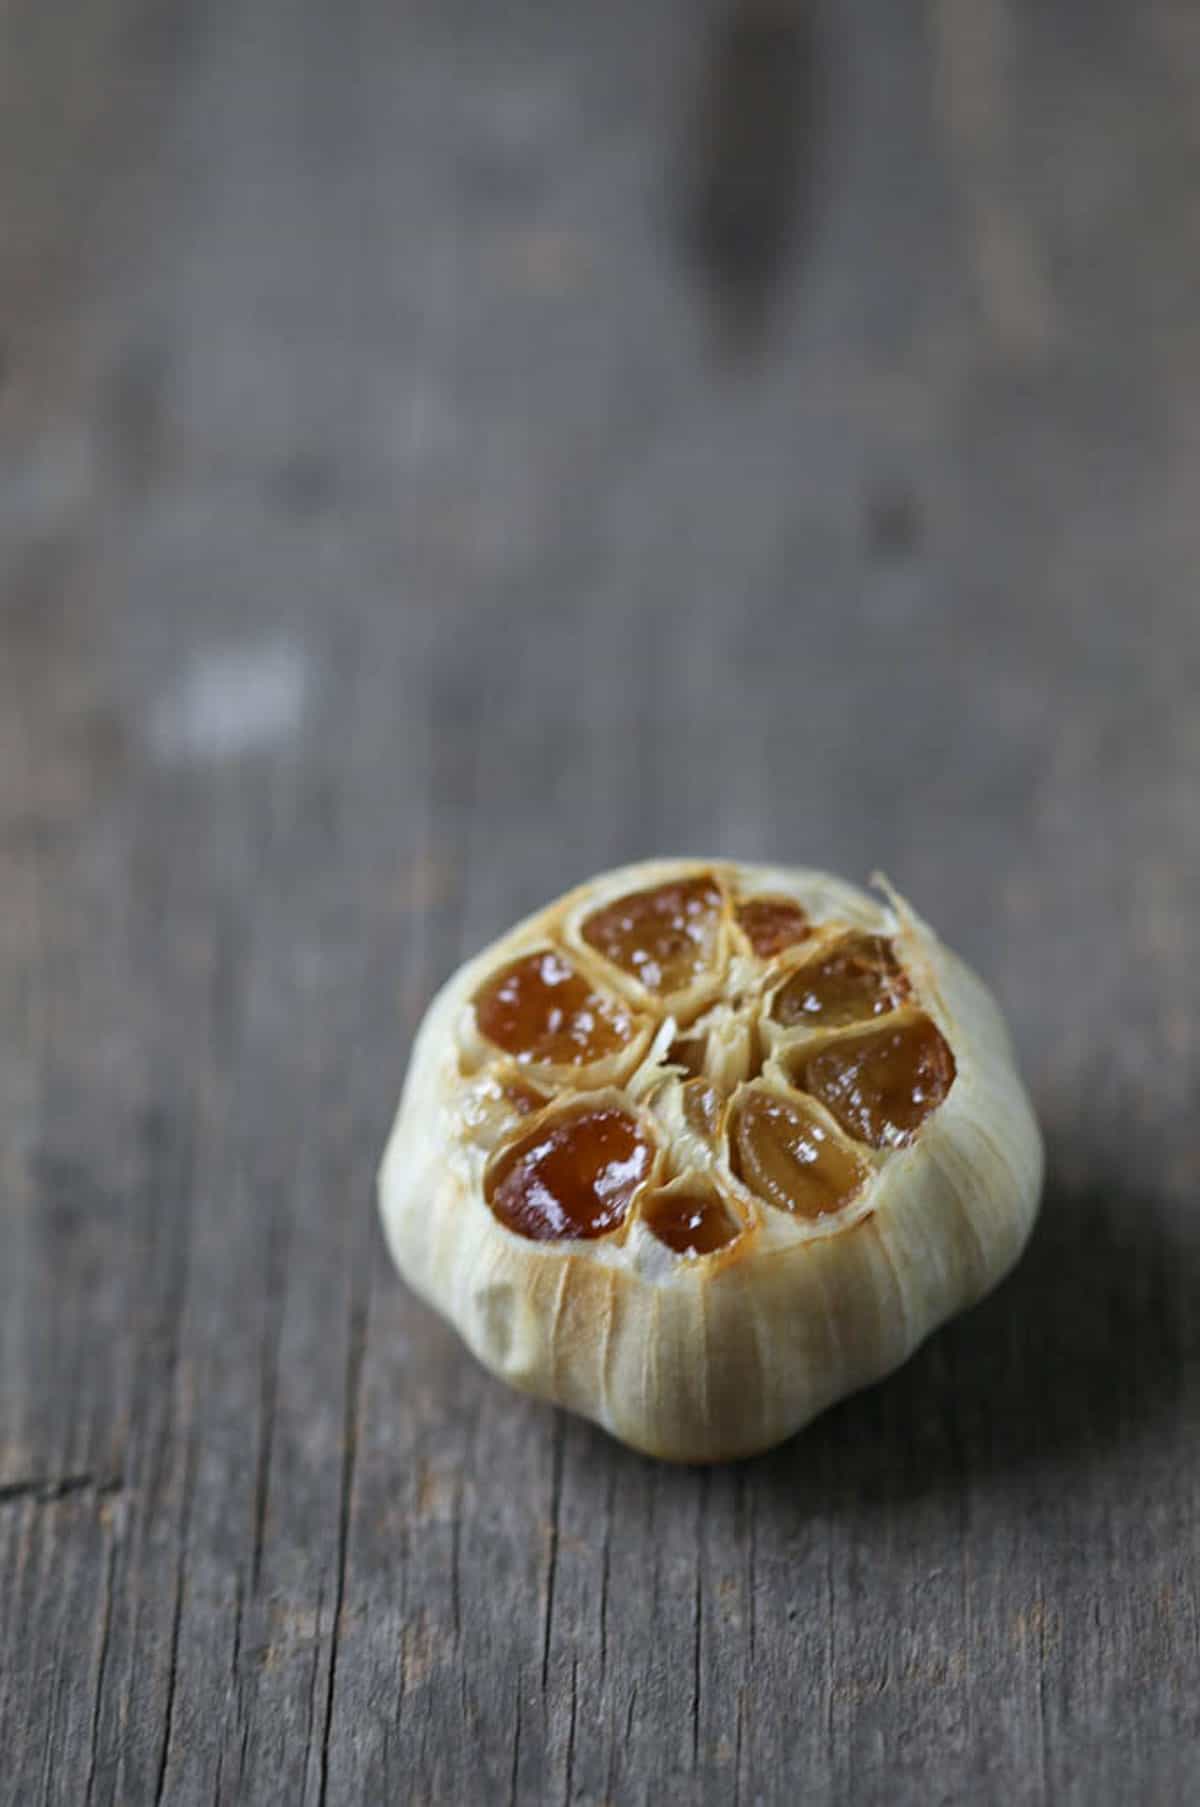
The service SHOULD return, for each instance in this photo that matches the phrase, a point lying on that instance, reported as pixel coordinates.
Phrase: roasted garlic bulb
(703, 1147)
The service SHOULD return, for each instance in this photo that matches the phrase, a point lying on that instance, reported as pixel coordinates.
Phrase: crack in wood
(516, 1746)
(354, 1368)
(570, 1775)
(605, 1565)
(46, 1490)
(633, 1694)
(698, 1615)
(560, 1432)
(737, 1748)
(268, 1385)
(176, 1618)
(101, 1664)
(314, 1672)
(238, 1702)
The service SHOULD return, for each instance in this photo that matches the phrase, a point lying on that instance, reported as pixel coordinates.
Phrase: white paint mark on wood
(230, 703)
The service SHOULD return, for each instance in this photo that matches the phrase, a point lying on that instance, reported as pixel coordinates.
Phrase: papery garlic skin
(705, 1358)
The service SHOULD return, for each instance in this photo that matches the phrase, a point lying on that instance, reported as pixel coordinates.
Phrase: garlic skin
(701, 1358)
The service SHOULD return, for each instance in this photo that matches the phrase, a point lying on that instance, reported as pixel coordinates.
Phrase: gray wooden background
(447, 449)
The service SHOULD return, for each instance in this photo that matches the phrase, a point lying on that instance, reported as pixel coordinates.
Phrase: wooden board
(445, 451)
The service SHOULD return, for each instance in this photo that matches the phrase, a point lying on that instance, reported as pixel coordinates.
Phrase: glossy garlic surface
(701, 1147)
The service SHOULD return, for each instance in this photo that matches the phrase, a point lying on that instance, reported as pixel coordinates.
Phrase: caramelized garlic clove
(857, 978)
(690, 1219)
(881, 1084)
(783, 1153)
(666, 937)
(771, 924)
(572, 1177)
(541, 1009)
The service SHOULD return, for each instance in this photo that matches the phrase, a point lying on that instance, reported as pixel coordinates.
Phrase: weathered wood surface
(387, 539)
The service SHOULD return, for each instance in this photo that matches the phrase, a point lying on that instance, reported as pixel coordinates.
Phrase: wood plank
(387, 539)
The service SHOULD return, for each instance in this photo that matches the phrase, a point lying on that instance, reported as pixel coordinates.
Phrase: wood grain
(384, 546)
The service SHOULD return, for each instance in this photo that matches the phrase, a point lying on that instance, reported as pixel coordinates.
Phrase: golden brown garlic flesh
(702, 1147)
(790, 1159)
(771, 923)
(858, 977)
(542, 1009)
(881, 1084)
(691, 1222)
(572, 1177)
(664, 937)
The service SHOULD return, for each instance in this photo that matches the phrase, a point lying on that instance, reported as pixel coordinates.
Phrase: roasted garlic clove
(703, 1147)
(853, 977)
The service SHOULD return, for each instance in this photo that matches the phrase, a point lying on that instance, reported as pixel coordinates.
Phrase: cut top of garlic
(702, 1060)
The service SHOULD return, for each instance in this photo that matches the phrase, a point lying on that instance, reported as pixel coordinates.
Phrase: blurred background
(446, 450)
